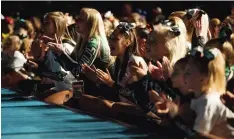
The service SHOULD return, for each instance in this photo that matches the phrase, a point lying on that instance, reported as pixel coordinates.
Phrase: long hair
(188, 24)
(96, 27)
(131, 49)
(175, 45)
(214, 70)
(214, 23)
(226, 49)
(59, 21)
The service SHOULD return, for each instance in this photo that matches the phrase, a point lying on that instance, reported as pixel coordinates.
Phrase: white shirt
(15, 62)
(212, 116)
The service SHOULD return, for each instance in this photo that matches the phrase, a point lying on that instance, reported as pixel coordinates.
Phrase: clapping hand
(161, 71)
(137, 70)
(90, 72)
(105, 77)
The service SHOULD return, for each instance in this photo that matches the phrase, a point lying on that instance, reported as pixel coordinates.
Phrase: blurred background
(26, 9)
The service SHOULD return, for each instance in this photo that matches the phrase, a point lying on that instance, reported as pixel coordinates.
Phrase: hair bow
(174, 28)
(190, 13)
(204, 54)
(126, 27)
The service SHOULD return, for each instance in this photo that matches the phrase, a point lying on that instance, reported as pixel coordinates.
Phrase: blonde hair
(188, 24)
(95, 25)
(226, 49)
(30, 28)
(214, 71)
(26, 46)
(108, 26)
(138, 19)
(12, 42)
(175, 45)
(232, 40)
(214, 23)
(59, 21)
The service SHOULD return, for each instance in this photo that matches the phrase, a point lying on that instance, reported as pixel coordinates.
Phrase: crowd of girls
(178, 70)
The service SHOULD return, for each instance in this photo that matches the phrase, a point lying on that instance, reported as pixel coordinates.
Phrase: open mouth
(112, 48)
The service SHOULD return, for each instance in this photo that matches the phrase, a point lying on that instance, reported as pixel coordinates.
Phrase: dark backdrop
(219, 9)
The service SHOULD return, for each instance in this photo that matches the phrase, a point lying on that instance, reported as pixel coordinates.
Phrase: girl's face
(142, 46)
(177, 79)
(82, 23)
(193, 77)
(216, 29)
(10, 45)
(49, 27)
(117, 43)
(155, 47)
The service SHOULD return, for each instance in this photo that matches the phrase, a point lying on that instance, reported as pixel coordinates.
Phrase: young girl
(166, 41)
(124, 46)
(93, 50)
(215, 27)
(54, 27)
(142, 35)
(223, 43)
(205, 76)
(13, 61)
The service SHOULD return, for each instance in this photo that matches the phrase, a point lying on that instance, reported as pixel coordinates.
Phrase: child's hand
(156, 72)
(105, 77)
(138, 70)
(53, 43)
(162, 70)
(201, 24)
(90, 72)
